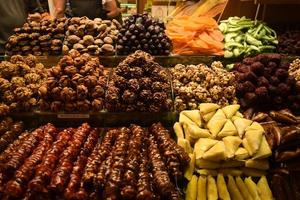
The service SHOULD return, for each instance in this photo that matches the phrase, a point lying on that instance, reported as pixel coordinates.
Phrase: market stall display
(195, 84)
(39, 38)
(195, 36)
(142, 32)
(96, 37)
(139, 84)
(289, 43)
(77, 83)
(264, 83)
(20, 79)
(69, 163)
(244, 37)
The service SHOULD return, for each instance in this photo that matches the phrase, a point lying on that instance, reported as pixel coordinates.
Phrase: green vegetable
(252, 40)
(230, 36)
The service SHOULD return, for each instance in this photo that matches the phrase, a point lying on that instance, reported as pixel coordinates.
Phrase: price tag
(73, 116)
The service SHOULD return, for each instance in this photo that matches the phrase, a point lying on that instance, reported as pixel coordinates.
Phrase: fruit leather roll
(97, 157)
(5, 125)
(64, 168)
(71, 192)
(44, 170)
(10, 135)
(287, 155)
(15, 187)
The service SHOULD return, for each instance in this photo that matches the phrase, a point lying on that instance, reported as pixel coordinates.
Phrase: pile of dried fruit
(198, 84)
(142, 32)
(289, 43)
(96, 37)
(128, 163)
(20, 79)
(264, 83)
(43, 37)
(139, 84)
(283, 134)
(77, 83)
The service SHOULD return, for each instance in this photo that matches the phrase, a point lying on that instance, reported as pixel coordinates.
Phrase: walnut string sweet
(64, 167)
(5, 125)
(78, 168)
(10, 135)
(15, 187)
(114, 179)
(98, 156)
(159, 170)
(175, 157)
(129, 189)
(44, 170)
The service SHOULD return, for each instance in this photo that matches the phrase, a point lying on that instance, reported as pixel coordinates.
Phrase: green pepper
(231, 44)
(229, 66)
(237, 52)
(266, 48)
(230, 36)
(257, 30)
(223, 27)
(261, 34)
(239, 38)
(252, 40)
(228, 54)
(252, 48)
(238, 28)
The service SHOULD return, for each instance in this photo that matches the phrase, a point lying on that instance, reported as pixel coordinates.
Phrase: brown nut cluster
(44, 37)
(264, 83)
(96, 37)
(198, 84)
(139, 84)
(20, 79)
(77, 83)
(294, 71)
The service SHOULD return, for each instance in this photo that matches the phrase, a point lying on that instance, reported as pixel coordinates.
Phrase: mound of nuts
(96, 37)
(44, 37)
(20, 79)
(76, 83)
(139, 84)
(195, 84)
(264, 83)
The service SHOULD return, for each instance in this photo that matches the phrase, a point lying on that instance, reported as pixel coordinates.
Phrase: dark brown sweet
(131, 84)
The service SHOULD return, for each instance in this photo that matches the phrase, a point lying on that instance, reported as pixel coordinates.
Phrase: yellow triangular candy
(194, 115)
(212, 191)
(238, 114)
(183, 119)
(254, 126)
(232, 143)
(215, 126)
(196, 132)
(178, 130)
(185, 144)
(252, 188)
(234, 192)
(228, 129)
(188, 174)
(218, 115)
(208, 116)
(230, 110)
(206, 164)
(207, 172)
(264, 150)
(254, 139)
(201, 187)
(186, 131)
(241, 154)
(243, 188)
(191, 190)
(264, 189)
(202, 145)
(241, 124)
(262, 164)
(216, 153)
(222, 189)
(208, 107)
